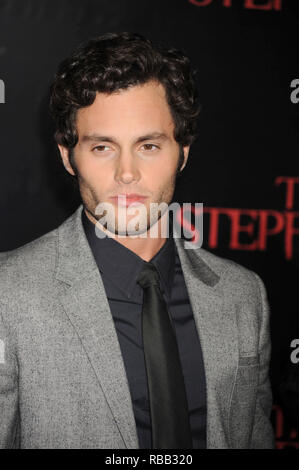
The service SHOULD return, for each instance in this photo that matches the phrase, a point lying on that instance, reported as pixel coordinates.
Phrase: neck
(145, 247)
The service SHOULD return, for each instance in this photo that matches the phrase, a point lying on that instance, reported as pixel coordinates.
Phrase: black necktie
(167, 395)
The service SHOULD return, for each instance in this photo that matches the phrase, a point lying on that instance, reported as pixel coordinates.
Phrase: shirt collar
(122, 266)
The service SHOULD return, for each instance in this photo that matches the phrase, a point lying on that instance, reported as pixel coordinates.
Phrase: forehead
(139, 107)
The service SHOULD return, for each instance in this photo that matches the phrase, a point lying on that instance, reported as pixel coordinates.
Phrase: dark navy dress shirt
(119, 268)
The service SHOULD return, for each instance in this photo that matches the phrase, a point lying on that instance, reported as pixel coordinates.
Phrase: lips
(128, 199)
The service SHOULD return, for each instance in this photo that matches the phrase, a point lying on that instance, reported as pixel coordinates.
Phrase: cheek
(86, 165)
(163, 176)
(168, 164)
(158, 183)
(91, 172)
(163, 168)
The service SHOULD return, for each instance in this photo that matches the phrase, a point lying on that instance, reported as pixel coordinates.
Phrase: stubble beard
(109, 220)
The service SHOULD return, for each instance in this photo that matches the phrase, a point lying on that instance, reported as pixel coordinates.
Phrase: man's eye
(100, 148)
(150, 145)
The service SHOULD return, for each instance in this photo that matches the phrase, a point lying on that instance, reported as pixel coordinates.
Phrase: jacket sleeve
(9, 421)
(263, 435)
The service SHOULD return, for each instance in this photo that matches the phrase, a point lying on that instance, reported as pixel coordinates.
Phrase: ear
(186, 153)
(64, 153)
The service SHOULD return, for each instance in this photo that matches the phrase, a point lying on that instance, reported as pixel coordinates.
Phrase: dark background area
(246, 57)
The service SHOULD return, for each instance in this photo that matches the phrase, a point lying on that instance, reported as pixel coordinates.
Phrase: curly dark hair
(115, 61)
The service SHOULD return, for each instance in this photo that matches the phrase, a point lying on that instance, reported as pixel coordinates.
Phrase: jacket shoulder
(221, 264)
(36, 248)
(244, 292)
(28, 265)
(233, 277)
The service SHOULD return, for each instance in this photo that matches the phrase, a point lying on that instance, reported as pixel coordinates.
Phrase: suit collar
(197, 266)
(122, 266)
(75, 258)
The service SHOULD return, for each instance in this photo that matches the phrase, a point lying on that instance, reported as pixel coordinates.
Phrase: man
(113, 340)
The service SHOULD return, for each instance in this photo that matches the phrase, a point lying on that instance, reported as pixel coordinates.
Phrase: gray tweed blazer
(62, 378)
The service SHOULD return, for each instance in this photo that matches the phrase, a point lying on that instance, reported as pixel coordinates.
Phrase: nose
(127, 168)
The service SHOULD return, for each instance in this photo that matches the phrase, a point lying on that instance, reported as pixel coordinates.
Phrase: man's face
(126, 145)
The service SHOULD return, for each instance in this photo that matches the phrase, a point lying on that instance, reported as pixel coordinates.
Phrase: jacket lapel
(217, 329)
(85, 303)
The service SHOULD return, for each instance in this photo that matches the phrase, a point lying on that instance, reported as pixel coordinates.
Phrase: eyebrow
(105, 138)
